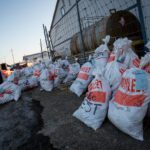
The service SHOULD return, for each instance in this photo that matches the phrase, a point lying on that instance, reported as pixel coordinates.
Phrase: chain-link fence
(73, 16)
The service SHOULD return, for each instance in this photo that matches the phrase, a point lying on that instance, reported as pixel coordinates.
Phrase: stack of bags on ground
(45, 74)
(118, 84)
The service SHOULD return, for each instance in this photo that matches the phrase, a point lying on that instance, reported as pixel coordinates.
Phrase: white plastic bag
(101, 55)
(133, 59)
(27, 83)
(121, 51)
(93, 110)
(28, 71)
(129, 104)
(73, 71)
(60, 74)
(113, 73)
(145, 63)
(37, 70)
(46, 80)
(83, 79)
(14, 77)
(8, 92)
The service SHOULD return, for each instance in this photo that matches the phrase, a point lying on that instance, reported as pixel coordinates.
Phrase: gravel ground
(43, 121)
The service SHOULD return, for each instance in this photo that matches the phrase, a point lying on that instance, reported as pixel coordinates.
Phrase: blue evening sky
(21, 26)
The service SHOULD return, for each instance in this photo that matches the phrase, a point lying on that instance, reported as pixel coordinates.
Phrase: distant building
(65, 21)
(34, 58)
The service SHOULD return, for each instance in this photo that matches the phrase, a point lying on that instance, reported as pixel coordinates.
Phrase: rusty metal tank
(118, 24)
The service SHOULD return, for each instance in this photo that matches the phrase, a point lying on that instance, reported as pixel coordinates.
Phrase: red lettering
(95, 85)
(136, 62)
(129, 85)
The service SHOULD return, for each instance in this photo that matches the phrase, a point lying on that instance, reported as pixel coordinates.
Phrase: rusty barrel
(118, 24)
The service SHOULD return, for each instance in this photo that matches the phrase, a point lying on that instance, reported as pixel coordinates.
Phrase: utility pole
(46, 40)
(41, 48)
(13, 56)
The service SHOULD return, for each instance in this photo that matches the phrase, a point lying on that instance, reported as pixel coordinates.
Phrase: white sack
(83, 79)
(8, 92)
(93, 110)
(129, 104)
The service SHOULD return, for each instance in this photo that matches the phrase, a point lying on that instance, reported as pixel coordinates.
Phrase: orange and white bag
(116, 63)
(93, 110)
(129, 105)
(83, 79)
(145, 65)
(132, 59)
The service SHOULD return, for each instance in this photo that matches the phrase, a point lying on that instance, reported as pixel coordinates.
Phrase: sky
(21, 27)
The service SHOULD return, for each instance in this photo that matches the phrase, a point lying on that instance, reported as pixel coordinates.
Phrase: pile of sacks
(45, 74)
(118, 84)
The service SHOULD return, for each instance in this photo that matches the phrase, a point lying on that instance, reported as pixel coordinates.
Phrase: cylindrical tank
(89, 38)
(118, 24)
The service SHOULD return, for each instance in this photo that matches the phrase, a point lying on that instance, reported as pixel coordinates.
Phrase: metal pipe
(46, 40)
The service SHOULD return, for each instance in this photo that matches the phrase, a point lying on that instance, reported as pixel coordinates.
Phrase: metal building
(73, 16)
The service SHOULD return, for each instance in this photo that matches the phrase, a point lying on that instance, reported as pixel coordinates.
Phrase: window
(62, 11)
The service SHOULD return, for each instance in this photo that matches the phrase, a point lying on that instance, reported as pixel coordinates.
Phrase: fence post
(140, 11)
(80, 28)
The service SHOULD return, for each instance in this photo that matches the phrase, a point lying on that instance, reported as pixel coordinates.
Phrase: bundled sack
(132, 59)
(37, 70)
(83, 79)
(73, 71)
(46, 80)
(129, 104)
(145, 61)
(27, 72)
(60, 74)
(14, 77)
(8, 92)
(27, 83)
(122, 50)
(65, 64)
(101, 55)
(93, 110)
(113, 73)
(145, 65)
